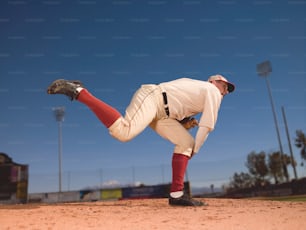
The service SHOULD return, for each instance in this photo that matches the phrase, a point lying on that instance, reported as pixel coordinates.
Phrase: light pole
(59, 113)
(263, 70)
(289, 142)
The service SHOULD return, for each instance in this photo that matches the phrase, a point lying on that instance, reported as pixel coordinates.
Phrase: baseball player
(168, 109)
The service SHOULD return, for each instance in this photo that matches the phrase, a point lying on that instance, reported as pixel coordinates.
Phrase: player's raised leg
(76, 91)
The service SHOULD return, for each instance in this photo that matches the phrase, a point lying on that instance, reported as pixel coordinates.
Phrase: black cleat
(185, 201)
(68, 88)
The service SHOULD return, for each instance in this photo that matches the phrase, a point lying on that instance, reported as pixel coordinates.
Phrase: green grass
(290, 198)
(301, 198)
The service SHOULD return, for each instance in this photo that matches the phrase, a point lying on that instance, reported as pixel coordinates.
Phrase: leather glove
(189, 122)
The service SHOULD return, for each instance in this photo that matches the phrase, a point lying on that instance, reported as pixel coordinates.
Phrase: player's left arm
(208, 119)
(201, 137)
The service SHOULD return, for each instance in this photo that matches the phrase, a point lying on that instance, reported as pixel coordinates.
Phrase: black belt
(166, 104)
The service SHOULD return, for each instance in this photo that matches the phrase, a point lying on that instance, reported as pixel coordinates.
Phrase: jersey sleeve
(208, 119)
(212, 101)
(200, 138)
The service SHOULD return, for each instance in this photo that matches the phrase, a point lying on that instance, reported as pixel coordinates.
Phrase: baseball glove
(189, 122)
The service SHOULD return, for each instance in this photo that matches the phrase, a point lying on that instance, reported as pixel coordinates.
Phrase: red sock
(106, 114)
(179, 165)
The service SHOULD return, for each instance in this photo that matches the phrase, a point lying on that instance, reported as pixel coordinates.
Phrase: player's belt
(166, 104)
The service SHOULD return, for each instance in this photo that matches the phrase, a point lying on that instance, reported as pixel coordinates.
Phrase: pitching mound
(156, 214)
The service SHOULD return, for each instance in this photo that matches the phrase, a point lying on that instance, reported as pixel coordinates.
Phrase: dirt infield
(156, 214)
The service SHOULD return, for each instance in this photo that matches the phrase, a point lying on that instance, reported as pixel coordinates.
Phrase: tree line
(264, 169)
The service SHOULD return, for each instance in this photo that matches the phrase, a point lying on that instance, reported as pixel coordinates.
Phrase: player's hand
(189, 122)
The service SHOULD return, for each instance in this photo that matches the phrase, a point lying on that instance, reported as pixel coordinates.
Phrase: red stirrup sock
(105, 113)
(179, 165)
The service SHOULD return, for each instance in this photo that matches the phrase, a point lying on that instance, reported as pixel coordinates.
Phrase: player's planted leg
(177, 196)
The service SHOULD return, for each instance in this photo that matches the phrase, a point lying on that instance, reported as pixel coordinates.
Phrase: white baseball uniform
(185, 97)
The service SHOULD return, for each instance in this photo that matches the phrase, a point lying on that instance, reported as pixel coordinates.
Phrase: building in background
(13, 180)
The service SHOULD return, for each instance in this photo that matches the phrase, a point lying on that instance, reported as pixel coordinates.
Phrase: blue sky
(114, 47)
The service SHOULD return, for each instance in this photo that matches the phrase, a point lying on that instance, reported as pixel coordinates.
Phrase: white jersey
(185, 97)
(188, 97)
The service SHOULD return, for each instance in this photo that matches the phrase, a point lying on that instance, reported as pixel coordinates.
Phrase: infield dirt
(150, 214)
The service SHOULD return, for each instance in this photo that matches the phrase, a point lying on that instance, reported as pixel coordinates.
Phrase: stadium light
(263, 70)
(289, 143)
(59, 113)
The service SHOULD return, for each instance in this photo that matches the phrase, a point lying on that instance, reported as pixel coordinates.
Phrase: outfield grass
(286, 198)
(290, 198)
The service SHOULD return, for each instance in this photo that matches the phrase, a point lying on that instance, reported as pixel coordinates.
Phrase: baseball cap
(230, 86)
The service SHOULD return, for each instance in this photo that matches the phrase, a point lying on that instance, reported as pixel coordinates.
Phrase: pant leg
(173, 131)
(142, 110)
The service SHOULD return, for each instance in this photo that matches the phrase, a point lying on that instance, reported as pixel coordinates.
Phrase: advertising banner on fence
(110, 194)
